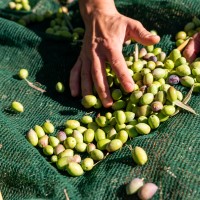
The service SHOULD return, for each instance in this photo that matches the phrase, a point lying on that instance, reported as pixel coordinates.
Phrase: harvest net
(173, 149)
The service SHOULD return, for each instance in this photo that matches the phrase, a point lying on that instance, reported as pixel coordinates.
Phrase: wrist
(89, 8)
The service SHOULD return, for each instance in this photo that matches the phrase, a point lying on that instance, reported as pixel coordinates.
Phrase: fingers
(136, 31)
(193, 48)
(86, 79)
(119, 66)
(74, 81)
(100, 80)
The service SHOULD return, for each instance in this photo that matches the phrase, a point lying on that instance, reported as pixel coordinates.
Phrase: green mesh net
(173, 148)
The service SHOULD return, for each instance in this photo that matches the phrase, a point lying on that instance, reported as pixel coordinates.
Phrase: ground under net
(173, 149)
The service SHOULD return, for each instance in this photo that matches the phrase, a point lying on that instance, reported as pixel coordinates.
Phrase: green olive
(32, 137)
(73, 124)
(139, 155)
(97, 154)
(23, 73)
(74, 169)
(48, 127)
(143, 128)
(89, 101)
(17, 107)
(70, 143)
(87, 164)
(114, 145)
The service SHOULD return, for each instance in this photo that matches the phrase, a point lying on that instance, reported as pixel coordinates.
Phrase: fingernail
(129, 87)
(107, 103)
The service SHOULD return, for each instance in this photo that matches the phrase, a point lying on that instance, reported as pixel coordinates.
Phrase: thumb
(193, 48)
(136, 31)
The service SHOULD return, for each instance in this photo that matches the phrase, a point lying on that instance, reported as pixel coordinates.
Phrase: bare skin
(193, 48)
(105, 32)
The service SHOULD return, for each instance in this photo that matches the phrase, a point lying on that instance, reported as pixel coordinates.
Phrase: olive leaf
(184, 106)
(184, 102)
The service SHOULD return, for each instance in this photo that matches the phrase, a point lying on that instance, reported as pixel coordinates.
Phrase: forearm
(89, 7)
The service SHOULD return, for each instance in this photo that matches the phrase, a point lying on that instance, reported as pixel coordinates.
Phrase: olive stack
(154, 100)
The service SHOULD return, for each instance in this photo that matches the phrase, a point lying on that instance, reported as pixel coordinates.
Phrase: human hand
(106, 31)
(192, 49)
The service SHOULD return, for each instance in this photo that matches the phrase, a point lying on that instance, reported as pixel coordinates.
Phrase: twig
(34, 86)
(184, 44)
(1, 198)
(136, 52)
(66, 195)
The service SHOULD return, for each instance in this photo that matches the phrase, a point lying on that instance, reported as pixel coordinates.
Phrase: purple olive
(173, 79)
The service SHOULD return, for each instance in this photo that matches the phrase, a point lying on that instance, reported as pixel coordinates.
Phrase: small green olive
(116, 94)
(137, 66)
(158, 73)
(89, 101)
(68, 131)
(120, 117)
(48, 127)
(63, 161)
(153, 121)
(122, 135)
(87, 164)
(78, 136)
(23, 73)
(174, 55)
(171, 94)
(183, 70)
(93, 125)
(168, 110)
(54, 158)
(132, 133)
(81, 147)
(97, 154)
(74, 169)
(53, 141)
(60, 87)
(39, 130)
(70, 143)
(101, 121)
(88, 136)
(66, 152)
(142, 119)
(139, 155)
(118, 105)
(187, 81)
(17, 107)
(181, 35)
(133, 186)
(32, 137)
(144, 110)
(114, 145)
(148, 79)
(146, 99)
(90, 147)
(99, 135)
(43, 141)
(143, 128)
(101, 144)
(86, 119)
(48, 150)
(73, 124)
(135, 96)
(81, 129)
